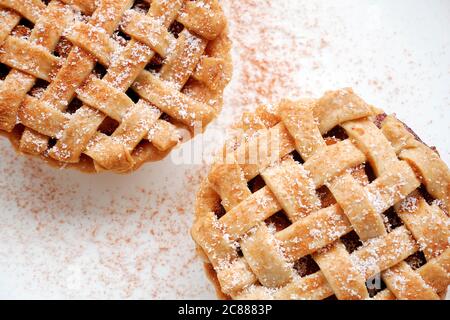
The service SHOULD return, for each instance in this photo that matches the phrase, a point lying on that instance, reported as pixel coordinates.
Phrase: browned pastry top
(108, 84)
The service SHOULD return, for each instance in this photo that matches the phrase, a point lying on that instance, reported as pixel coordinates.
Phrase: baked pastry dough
(315, 197)
(108, 84)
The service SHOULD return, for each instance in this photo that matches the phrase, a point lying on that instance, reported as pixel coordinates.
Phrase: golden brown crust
(253, 261)
(183, 90)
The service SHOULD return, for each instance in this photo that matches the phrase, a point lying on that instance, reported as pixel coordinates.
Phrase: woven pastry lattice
(316, 197)
(109, 84)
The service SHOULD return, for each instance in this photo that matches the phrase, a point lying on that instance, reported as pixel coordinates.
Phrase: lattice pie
(326, 198)
(109, 84)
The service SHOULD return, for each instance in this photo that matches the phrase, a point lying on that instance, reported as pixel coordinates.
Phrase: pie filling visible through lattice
(109, 84)
(326, 198)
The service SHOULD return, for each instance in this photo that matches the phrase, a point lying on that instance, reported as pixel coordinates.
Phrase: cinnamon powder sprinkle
(71, 235)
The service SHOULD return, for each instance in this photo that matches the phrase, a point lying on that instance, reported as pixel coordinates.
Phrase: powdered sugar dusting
(86, 237)
(65, 234)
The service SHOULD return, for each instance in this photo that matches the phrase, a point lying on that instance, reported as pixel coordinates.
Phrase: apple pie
(323, 199)
(107, 85)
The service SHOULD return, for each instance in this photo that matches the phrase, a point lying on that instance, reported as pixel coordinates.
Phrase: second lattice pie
(314, 198)
(109, 85)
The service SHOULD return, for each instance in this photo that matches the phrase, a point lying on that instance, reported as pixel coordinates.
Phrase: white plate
(70, 235)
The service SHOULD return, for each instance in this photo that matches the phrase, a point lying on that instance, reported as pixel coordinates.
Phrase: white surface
(69, 235)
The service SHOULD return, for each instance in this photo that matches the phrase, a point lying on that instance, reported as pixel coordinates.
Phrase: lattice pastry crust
(316, 197)
(109, 84)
